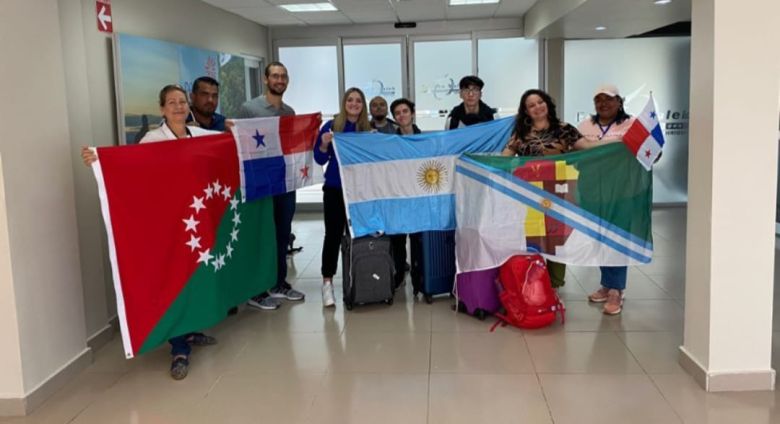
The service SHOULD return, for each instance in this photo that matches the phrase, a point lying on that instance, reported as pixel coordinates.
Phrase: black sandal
(200, 339)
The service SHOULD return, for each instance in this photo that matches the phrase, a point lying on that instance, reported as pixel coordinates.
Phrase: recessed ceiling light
(471, 2)
(601, 28)
(309, 7)
(662, 2)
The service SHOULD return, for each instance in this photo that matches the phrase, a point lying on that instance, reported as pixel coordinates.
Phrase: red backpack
(526, 293)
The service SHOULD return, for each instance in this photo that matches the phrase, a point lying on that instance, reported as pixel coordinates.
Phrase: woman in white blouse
(175, 109)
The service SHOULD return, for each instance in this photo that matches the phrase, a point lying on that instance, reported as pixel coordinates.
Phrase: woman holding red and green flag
(175, 109)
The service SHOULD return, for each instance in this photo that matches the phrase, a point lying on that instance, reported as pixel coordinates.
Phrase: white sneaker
(328, 299)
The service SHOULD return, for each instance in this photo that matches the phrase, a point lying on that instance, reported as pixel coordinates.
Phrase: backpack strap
(562, 309)
(502, 320)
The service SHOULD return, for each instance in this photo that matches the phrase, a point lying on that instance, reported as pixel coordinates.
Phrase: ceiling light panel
(471, 2)
(308, 7)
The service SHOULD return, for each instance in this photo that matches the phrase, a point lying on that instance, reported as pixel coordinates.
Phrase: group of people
(537, 132)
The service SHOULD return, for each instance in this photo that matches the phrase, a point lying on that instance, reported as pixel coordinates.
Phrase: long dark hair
(524, 123)
(619, 118)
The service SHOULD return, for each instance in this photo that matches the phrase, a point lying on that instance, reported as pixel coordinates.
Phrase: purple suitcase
(477, 293)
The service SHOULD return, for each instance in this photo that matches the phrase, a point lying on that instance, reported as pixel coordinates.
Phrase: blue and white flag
(591, 207)
(404, 184)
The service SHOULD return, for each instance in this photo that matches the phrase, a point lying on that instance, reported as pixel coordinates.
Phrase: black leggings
(335, 224)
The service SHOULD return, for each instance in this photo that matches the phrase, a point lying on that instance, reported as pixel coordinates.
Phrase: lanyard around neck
(604, 130)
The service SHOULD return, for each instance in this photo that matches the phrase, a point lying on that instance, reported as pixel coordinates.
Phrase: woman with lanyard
(174, 110)
(539, 132)
(352, 117)
(608, 125)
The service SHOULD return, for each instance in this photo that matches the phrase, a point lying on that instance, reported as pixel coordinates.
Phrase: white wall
(10, 354)
(58, 91)
(90, 83)
(39, 195)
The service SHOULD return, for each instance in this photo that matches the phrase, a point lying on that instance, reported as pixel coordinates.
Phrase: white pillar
(553, 70)
(11, 382)
(735, 81)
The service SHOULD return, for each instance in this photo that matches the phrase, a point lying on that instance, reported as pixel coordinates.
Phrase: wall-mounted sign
(103, 11)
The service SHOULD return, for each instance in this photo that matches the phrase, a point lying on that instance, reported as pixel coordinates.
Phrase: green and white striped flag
(591, 207)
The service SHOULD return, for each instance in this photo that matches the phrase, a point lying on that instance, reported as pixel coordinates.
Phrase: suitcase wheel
(389, 301)
(480, 314)
(428, 299)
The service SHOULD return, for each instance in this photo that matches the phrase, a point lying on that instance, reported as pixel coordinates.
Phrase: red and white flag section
(275, 154)
(645, 138)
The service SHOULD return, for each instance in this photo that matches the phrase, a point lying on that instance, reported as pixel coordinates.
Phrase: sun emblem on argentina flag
(431, 176)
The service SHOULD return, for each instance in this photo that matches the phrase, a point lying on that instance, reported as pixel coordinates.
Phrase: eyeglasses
(471, 91)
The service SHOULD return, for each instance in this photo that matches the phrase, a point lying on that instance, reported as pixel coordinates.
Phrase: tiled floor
(418, 363)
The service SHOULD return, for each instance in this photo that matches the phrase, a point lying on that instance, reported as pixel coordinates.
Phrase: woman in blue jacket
(352, 117)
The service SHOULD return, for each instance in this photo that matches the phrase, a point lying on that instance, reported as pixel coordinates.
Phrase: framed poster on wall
(142, 66)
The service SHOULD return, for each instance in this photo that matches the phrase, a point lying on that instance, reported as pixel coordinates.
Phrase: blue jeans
(614, 277)
(180, 346)
(284, 209)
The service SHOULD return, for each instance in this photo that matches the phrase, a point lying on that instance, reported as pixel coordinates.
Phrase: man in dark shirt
(204, 99)
(379, 119)
(472, 110)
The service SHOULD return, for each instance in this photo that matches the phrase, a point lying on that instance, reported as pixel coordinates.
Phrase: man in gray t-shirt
(271, 104)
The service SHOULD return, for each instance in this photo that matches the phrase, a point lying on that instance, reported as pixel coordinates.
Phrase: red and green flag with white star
(183, 248)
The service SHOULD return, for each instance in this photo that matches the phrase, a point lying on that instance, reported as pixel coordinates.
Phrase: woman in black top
(539, 132)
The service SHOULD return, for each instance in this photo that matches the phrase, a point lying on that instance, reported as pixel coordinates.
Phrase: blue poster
(144, 65)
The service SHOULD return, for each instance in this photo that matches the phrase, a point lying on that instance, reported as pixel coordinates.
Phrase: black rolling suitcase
(367, 264)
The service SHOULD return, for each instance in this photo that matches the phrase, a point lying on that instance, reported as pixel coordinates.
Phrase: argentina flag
(404, 184)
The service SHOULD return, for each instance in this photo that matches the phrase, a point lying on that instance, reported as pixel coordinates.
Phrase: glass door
(438, 67)
(507, 76)
(376, 66)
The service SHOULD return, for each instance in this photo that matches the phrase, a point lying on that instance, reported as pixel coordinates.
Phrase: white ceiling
(622, 18)
(267, 12)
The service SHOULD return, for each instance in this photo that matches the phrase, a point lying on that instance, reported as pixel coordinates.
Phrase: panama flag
(585, 208)
(404, 184)
(275, 154)
(183, 248)
(645, 138)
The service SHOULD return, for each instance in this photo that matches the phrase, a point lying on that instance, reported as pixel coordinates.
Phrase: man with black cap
(472, 110)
